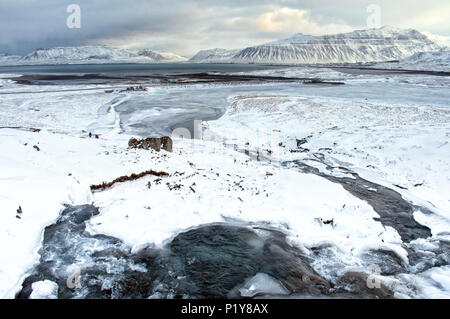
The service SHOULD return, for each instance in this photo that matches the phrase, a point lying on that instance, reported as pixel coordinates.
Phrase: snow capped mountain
(150, 54)
(91, 54)
(77, 54)
(6, 58)
(438, 57)
(296, 38)
(161, 56)
(214, 56)
(372, 45)
(171, 57)
(439, 39)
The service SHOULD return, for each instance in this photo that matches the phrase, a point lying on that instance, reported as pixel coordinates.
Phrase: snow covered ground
(404, 147)
(400, 143)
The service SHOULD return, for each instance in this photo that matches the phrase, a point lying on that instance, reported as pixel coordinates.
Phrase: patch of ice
(44, 290)
(262, 284)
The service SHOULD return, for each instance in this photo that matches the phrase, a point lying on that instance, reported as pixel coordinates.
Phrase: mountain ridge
(90, 54)
(359, 46)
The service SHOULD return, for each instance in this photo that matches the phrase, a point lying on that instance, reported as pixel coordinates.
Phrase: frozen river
(166, 108)
(368, 155)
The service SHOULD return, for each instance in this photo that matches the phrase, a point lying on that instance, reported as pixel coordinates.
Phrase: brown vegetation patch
(31, 129)
(125, 178)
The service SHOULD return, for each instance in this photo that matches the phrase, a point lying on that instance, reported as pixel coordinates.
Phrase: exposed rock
(300, 142)
(364, 285)
(19, 212)
(155, 143)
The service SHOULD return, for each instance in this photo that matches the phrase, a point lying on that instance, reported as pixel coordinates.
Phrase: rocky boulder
(155, 143)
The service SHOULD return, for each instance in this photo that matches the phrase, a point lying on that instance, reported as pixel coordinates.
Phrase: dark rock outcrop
(155, 143)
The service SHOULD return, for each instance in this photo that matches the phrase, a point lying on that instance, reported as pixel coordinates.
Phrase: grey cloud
(184, 26)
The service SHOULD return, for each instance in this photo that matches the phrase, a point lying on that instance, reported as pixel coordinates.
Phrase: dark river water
(211, 261)
(222, 260)
(134, 69)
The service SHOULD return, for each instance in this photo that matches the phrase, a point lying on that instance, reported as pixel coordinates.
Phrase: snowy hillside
(296, 38)
(214, 55)
(423, 61)
(160, 56)
(383, 44)
(438, 60)
(91, 54)
(76, 54)
(438, 57)
(171, 57)
(5, 58)
(442, 40)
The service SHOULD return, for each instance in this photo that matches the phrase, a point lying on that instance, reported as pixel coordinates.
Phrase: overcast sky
(186, 26)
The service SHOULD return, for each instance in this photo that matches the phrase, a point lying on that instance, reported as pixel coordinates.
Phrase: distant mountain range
(372, 45)
(91, 54)
(361, 46)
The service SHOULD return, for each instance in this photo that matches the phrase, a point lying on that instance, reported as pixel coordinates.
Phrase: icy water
(133, 69)
(165, 108)
(224, 260)
(394, 211)
(211, 261)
